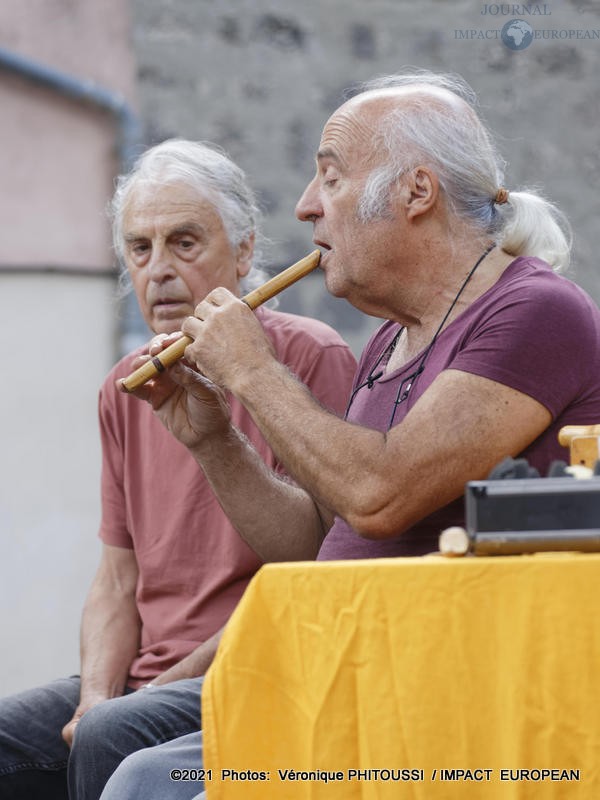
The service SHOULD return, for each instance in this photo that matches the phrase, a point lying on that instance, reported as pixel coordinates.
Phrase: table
(418, 678)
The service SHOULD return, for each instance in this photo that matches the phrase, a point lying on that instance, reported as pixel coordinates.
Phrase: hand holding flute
(253, 300)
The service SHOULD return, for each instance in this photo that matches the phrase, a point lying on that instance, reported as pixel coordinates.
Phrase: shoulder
(109, 394)
(535, 331)
(122, 368)
(293, 331)
(314, 352)
(536, 282)
(531, 291)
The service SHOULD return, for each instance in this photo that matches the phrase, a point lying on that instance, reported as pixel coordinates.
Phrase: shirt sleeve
(113, 527)
(538, 340)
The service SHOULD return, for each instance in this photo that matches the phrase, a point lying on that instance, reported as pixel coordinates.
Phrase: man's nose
(308, 207)
(160, 266)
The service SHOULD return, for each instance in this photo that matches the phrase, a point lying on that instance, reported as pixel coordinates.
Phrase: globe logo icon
(517, 34)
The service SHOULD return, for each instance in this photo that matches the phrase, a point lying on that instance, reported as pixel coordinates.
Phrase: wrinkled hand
(188, 404)
(229, 342)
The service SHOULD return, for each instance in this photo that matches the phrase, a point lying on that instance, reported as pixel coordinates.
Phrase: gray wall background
(261, 77)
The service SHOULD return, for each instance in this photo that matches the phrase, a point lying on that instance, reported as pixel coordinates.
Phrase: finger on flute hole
(162, 341)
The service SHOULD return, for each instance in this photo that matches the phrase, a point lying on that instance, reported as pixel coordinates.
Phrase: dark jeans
(36, 763)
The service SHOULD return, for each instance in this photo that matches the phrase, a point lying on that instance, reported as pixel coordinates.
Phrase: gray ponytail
(436, 128)
(534, 226)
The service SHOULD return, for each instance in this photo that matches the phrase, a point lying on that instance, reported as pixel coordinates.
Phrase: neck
(451, 285)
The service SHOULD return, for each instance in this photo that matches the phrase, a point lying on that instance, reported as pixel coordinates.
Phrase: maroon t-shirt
(193, 565)
(534, 331)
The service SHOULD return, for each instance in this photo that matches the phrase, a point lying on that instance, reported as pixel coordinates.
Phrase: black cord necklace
(408, 382)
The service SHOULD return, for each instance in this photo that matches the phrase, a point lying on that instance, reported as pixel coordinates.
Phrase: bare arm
(279, 520)
(380, 483)
(110, 631)
(194, 664)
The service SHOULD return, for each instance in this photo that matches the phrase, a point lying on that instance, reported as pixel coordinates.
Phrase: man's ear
(423, 191)
(245, 251)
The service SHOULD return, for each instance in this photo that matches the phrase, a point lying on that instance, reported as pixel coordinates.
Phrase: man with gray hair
(173, 566)
(485, 352)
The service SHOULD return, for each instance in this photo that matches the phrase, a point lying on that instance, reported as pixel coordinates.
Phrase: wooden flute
(253, 299)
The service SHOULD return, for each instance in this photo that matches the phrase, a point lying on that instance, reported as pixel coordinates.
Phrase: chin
(167, 325)
(336, 288)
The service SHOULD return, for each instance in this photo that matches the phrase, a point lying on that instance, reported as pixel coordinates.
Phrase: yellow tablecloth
(479, 677)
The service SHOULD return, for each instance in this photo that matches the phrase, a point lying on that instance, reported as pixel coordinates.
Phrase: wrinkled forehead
(152, 206)
(167, 191)
(164, 200)
(347, 137)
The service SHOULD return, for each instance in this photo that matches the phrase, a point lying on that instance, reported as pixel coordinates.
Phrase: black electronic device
(515, 511)
(519, 516)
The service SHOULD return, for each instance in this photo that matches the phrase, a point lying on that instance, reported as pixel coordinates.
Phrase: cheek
(198, 286)
(216, 268)
(350, 234)
(139, 283)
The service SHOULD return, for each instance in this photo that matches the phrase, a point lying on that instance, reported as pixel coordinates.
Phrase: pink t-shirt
(193, 565)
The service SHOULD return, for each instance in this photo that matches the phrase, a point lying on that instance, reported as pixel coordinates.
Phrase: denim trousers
(36, 763)
(170, 771)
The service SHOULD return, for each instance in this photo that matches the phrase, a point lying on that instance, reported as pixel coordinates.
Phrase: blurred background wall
(259, 77)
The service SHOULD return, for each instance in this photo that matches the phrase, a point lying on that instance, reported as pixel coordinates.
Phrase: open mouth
(326, 248)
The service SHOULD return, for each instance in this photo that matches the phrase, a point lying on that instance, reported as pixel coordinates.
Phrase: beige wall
(58, 161)
(49, 468)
